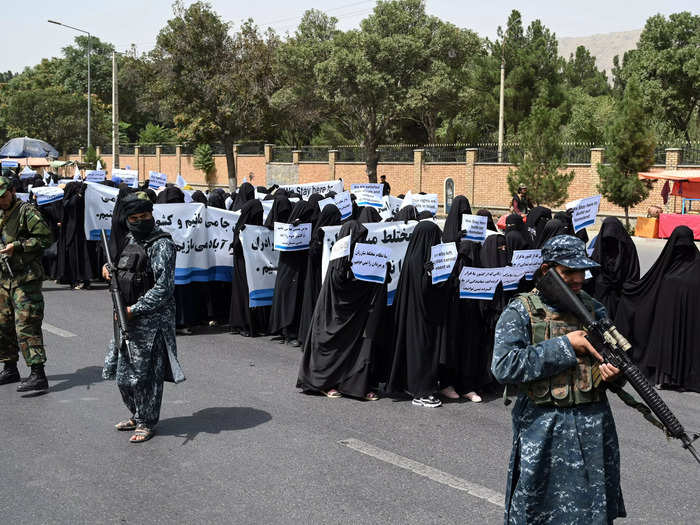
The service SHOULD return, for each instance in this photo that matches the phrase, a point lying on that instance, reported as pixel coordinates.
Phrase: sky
(27, 37)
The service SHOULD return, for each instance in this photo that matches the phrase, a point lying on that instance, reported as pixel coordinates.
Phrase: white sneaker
(473, 397)
(429, 401)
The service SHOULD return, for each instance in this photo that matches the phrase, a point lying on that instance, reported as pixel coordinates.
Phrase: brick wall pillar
(98, 150)
(178, 155)
(418, 170)
(268, 153)
(597, 157)
(470, 174)
(296, 153)
(158, 151)
(138, 165)
(673, 158)
(332, 159)
(80, 154)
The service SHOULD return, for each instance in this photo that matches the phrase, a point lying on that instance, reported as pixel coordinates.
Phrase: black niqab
(245, 193)
(490, 225)
(553, 228)
(453, 222)
(369, 214)
(281, 208)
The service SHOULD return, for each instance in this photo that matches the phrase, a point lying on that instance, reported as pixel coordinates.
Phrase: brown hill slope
(604, 47)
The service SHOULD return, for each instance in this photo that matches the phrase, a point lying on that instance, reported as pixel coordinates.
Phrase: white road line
(474, 489)
(57, 331)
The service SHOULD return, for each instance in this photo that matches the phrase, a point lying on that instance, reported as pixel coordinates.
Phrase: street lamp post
(88, 79)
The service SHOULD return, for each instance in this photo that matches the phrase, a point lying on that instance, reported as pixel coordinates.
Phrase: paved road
(238, 444)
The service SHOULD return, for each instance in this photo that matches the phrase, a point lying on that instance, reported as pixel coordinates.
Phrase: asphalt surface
(237, 443)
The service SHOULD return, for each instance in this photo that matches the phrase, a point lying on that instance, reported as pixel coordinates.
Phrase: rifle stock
(121, 334)
(613, 347)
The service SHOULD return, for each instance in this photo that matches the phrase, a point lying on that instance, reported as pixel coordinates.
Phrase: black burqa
(245, 193)
(659, 315)
(329, 216)
(619, 264)
(536, 220)
(338, 352)
(279, 212)
(73, 265)
(199, 197)
(289, 285)
(217, 199)
(249, 321)
(369, 214)
(117, 235)
(516, 226)
(453, 222)
(566, 218)
(419, 309)
(490, 225)
(551, 229)
(409, 213)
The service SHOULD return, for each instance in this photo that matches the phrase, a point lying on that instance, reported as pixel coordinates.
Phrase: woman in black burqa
(659, 315)
(536, 220)
(73, 265)
(338, 353)
(329, 216)
(551, 229)
(243, 319)
(419, 310)
(619, 264)
(289, 285)
(490, 225)
(245, 193)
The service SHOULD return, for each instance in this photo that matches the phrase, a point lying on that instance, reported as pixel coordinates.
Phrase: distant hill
(603, 47)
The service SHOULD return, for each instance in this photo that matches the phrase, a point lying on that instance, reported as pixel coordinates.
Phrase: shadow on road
(213, 421)
(82, 377)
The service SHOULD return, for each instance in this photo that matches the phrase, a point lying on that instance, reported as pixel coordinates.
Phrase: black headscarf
(217, 199)
(551, 229)
(536, 221)
(313, 201)
(419, 308)
(170, 195)
(453, 223)
(409, 213)
(514, 223)
(425, 214)
(369, 214)
(490, 225)
(198, 196)
(281, 208)
(245, 193)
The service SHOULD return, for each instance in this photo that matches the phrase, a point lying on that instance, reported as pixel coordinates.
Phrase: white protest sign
(443, 257)
(369, 262)
(394, 235)
(306, 190)
(585, 211)
(47, 194)
(128, 177)
(22, 196)
(260, 264)
(368, 194)
(325, 202)
(65, 181)
(95, 175)
(390, 206)
(266, 204)
(475, 227)
(99, 204)
(341, 248)
(511, 277)
(98, 166)
(479, 283)
(528, 260)
(180, 181)
(156, 180)
(290, 238)
(344, 203)
(76, 174)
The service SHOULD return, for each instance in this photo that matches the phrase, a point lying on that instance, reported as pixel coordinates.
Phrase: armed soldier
(146, 276)
(23, 237)
(565, 462)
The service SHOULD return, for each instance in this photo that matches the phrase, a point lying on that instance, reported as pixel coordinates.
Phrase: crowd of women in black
(429, 344)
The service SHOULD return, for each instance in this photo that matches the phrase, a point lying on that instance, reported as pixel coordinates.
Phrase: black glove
(241, 228)
(428, 267)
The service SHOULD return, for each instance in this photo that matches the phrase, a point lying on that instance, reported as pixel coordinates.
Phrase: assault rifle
(613, 347)
(121, 334)
(6, 261)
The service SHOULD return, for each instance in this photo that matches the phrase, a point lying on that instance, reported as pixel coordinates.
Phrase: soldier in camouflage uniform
(565, 462)
(151, 318)
(23, 237)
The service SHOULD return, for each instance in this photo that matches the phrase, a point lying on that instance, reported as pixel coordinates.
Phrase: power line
(273, 22)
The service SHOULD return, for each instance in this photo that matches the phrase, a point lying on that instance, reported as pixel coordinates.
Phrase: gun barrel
(117, 302)
(554, 288)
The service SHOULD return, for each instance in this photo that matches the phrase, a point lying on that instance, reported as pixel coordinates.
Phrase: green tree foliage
(71, 70)
(155, 134)
(581, 72)
(666, 63)
(216, 85)
(91, 157)
(630, 151)
(204, 161)
(588, 117)
(541, 162)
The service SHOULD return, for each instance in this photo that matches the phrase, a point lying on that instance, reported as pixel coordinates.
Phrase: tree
(541, 161)
(71, 71)
(631, 150)
(204, 161)
(91, 158)
(588, 117)
(581, 71)
(216, 85)
(666, 64)
(155, 134)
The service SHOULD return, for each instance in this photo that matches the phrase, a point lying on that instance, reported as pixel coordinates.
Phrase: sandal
(333, 394)
(141, 434)
(473, 397)
(127, 424)
(371, 396)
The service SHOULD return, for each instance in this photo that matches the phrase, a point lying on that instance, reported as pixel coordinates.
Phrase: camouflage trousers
(21, 314)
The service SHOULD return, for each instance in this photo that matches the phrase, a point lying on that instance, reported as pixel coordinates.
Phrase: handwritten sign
(290, 238)
(479, 283)
(47, 194)
(341, 248)
(511, 277)
(261, 263)
(128, 177)
(306, 190)
(585, 211)
(369, 262)
(344, 204)
(428, 202)
(368, 194)
(95, 175)
(390, 206)
(475, 227)
(156, 180)
(443, 257)
(528, 260)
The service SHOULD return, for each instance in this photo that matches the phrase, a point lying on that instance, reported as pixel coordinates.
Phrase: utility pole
(115, 113)
(500, 106)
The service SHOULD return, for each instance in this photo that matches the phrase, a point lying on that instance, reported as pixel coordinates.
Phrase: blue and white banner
(128, 177)
(306, 190)
(479, 283)
(156, 180)
(261, 262)
(474, 227)
(528, 260)
(443, 256)
(95, 175)
(369, 262)
(585, 211)
(510, 277)
(290, 238)
(47, 194)
(23, 196)
(427, 202)
(368, 194)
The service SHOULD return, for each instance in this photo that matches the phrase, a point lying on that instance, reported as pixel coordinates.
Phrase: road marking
(473, 489)
(57, 331)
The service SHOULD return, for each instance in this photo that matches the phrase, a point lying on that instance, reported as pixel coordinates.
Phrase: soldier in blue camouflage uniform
(23, 237)
(151, 320)
(565, 462)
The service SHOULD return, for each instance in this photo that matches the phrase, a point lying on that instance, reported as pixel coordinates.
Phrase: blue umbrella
(26, 147)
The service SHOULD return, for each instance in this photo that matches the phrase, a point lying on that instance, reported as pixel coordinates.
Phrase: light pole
(88, 86)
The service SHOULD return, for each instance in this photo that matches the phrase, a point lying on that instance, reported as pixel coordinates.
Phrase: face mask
(141, 229)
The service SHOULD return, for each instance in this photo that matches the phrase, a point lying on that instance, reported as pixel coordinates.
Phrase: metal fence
(396, 153)
(576, 153)
(281, 154)
(126, 149)
(314, 153)
(168, 149)
(660, 154)
(251, 148)
(488, 153)
(352, 154)
(690, 155)
(445, 153)
(147, 149)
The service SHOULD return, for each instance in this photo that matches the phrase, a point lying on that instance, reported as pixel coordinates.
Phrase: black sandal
(141, 434)
(127, 424)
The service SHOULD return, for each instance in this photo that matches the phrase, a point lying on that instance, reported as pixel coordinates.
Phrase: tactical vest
(15, 225)
(134, 272)
(574, 386)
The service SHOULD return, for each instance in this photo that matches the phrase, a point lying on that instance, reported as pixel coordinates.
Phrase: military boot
(9, 373)
(36, 381)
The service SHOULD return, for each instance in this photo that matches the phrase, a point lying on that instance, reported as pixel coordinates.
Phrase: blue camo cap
(568, 251)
